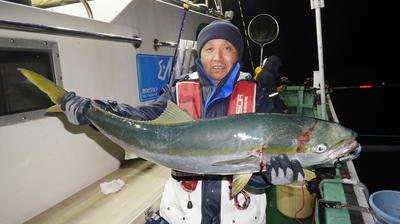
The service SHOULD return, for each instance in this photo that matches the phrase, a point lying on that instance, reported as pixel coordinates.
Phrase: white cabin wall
(46, 160)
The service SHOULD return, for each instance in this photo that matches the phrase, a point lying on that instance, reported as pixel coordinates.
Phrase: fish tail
(55, 93)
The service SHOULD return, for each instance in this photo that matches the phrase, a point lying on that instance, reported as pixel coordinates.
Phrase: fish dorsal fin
(173, 114)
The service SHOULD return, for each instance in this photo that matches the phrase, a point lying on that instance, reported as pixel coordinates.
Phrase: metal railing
(158, 44)
(36, 28)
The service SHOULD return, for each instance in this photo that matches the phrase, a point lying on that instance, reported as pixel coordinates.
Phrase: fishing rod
(379, 135)
(172, 73)
(382, 85)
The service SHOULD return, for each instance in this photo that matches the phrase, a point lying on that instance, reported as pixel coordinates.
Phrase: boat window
(20, 100)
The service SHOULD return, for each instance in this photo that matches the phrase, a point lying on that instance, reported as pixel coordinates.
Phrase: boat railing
(36, 28)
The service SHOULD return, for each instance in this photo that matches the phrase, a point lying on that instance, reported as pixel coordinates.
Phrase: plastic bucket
(386, 205)
(289, 198)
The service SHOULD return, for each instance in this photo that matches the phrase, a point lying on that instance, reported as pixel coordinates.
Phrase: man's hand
(73, 107)
(282, 171)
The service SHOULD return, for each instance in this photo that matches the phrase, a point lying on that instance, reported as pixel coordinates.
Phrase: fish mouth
(352, 151)
(336, 157)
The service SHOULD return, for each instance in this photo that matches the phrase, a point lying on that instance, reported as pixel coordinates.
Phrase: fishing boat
(52, 171)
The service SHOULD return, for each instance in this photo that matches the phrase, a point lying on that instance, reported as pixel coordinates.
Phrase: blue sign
(153, 73)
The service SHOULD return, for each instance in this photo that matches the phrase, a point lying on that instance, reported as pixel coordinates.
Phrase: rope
(246, 36)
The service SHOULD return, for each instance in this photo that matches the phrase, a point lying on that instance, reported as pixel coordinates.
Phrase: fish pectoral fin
(248, 159)
(239, 182)
(173, 114)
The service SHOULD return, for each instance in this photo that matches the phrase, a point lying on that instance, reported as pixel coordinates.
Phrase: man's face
(217, 58)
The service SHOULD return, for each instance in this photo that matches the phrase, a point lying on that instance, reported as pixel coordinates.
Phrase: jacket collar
(224, 87)
(226, 83)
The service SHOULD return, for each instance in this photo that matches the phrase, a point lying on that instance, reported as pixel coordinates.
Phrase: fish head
(328, 144)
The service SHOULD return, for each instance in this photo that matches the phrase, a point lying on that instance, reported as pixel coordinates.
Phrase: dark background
(360, 48)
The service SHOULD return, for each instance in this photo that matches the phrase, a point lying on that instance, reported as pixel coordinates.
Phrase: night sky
(358, 38)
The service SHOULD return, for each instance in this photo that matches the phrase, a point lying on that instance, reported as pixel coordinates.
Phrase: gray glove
(73, 107)
(282, 171)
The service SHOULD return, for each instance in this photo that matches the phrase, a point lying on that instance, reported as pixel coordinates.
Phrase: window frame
(33, 46)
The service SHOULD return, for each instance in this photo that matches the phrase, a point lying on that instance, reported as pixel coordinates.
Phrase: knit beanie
(221, 29)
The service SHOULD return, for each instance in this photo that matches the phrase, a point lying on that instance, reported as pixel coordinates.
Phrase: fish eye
(320, 148)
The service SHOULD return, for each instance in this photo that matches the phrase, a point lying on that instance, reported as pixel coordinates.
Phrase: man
(268, 78)
(218, 88)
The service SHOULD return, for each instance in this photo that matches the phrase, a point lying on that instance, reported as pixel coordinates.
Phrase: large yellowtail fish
(237, 145)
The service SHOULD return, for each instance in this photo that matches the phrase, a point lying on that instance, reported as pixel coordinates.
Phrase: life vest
(242, 100)
(188, 97)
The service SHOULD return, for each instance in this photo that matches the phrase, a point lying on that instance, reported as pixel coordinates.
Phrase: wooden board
(144, 184)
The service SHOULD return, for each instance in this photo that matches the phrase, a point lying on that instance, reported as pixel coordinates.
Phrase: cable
(315, 210)
(302, 207)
